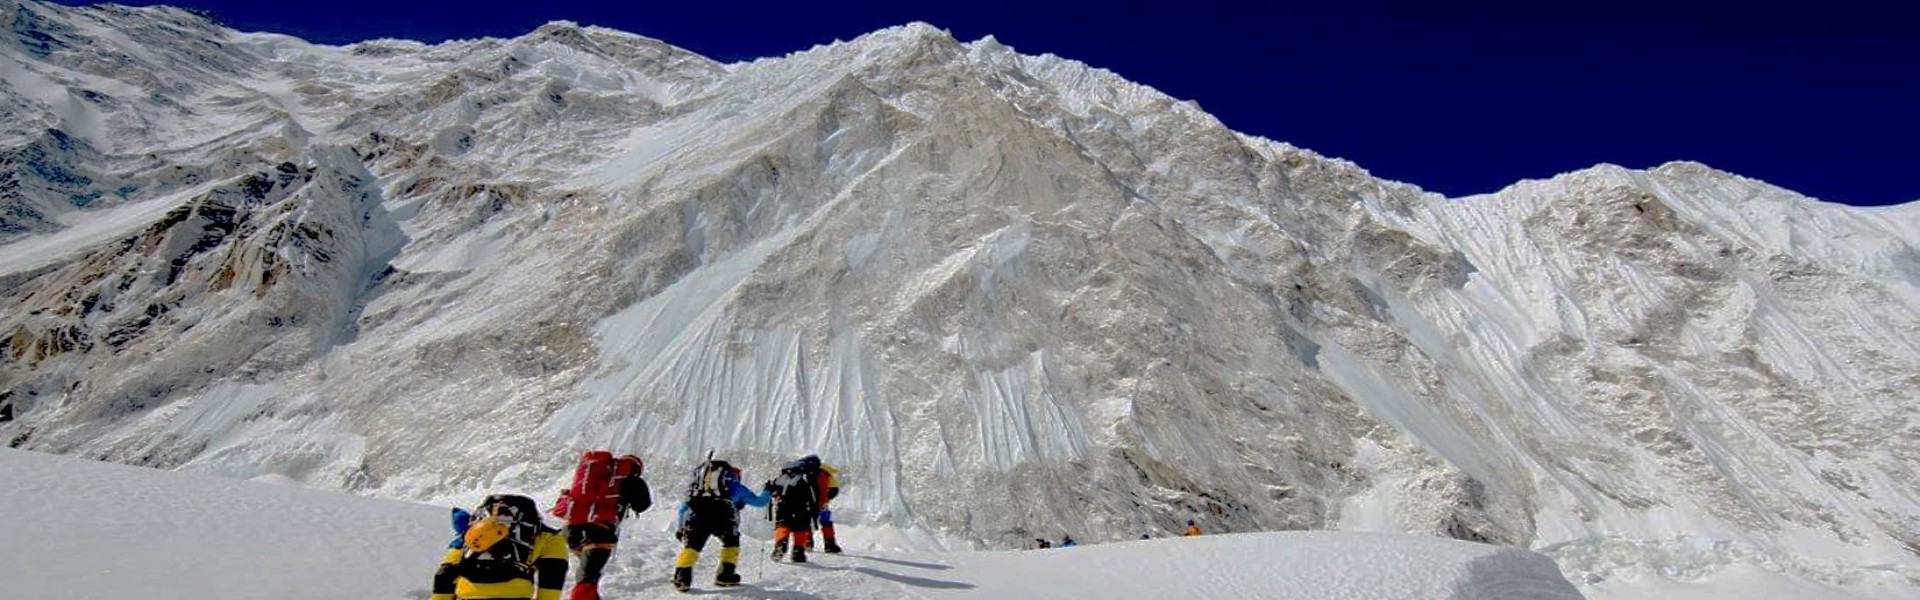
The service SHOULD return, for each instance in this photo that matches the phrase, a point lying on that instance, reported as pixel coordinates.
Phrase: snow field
(83, 530)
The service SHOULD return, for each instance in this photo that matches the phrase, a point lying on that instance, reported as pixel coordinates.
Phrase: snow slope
(92, 230)
(1009, 295)
(89, 530)
(84, 530)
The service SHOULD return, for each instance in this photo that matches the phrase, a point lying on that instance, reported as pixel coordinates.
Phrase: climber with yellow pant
(712, 509)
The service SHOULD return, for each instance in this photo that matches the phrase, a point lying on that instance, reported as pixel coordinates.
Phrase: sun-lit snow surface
(82, 530)
(87, 530)
(1011, 296)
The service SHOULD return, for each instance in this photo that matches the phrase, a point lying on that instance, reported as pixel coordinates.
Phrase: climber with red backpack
(605, 491)
(505, 552)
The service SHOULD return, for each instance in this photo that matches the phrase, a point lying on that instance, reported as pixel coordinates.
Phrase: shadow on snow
(939, 584)
(903, 563)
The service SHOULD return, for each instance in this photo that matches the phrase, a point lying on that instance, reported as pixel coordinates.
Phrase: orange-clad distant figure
(1192, 529)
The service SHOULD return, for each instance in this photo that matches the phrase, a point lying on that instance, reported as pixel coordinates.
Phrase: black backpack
(796, 488)
(713, 480)
(500, 538)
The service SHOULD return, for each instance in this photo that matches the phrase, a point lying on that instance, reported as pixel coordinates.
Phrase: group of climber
(504, 549)
(1067, 541)
(796, 500)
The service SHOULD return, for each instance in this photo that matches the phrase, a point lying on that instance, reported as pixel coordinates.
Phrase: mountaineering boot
(585, 590)
(832, 548)
(799, 554)
(683, 568)
(727, 577)
(780, 550)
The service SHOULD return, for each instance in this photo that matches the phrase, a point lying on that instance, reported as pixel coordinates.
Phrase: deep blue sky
(1457, 96)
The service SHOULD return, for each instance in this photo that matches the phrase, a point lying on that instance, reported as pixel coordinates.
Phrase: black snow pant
(712, 519)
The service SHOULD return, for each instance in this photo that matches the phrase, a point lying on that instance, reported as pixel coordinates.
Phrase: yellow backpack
(499, 542)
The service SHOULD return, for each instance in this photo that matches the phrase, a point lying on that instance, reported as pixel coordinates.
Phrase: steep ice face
(1008, 295)
(1707, 352)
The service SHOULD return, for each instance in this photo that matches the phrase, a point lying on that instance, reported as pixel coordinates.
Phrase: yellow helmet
(483, 535)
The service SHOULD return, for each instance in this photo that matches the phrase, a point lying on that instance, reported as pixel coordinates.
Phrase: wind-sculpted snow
(1011, 296)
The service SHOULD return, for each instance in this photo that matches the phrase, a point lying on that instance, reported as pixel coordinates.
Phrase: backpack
(462, 521)
(713, 479)
(595, 495)
(797, 487)
(499, 541)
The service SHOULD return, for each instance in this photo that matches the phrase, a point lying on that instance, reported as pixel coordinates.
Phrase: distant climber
(506, 552)
(1066, 541)
(1192, 529)
(799, 493)
(1042, 543)
(604, 492)
(712, 509)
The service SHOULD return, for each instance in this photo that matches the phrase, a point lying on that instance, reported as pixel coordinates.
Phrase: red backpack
(595, 495)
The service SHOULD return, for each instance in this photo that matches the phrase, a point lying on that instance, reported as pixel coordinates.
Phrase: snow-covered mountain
(1011, 296)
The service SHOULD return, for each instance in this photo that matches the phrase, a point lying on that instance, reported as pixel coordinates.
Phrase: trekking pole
(765, 555)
